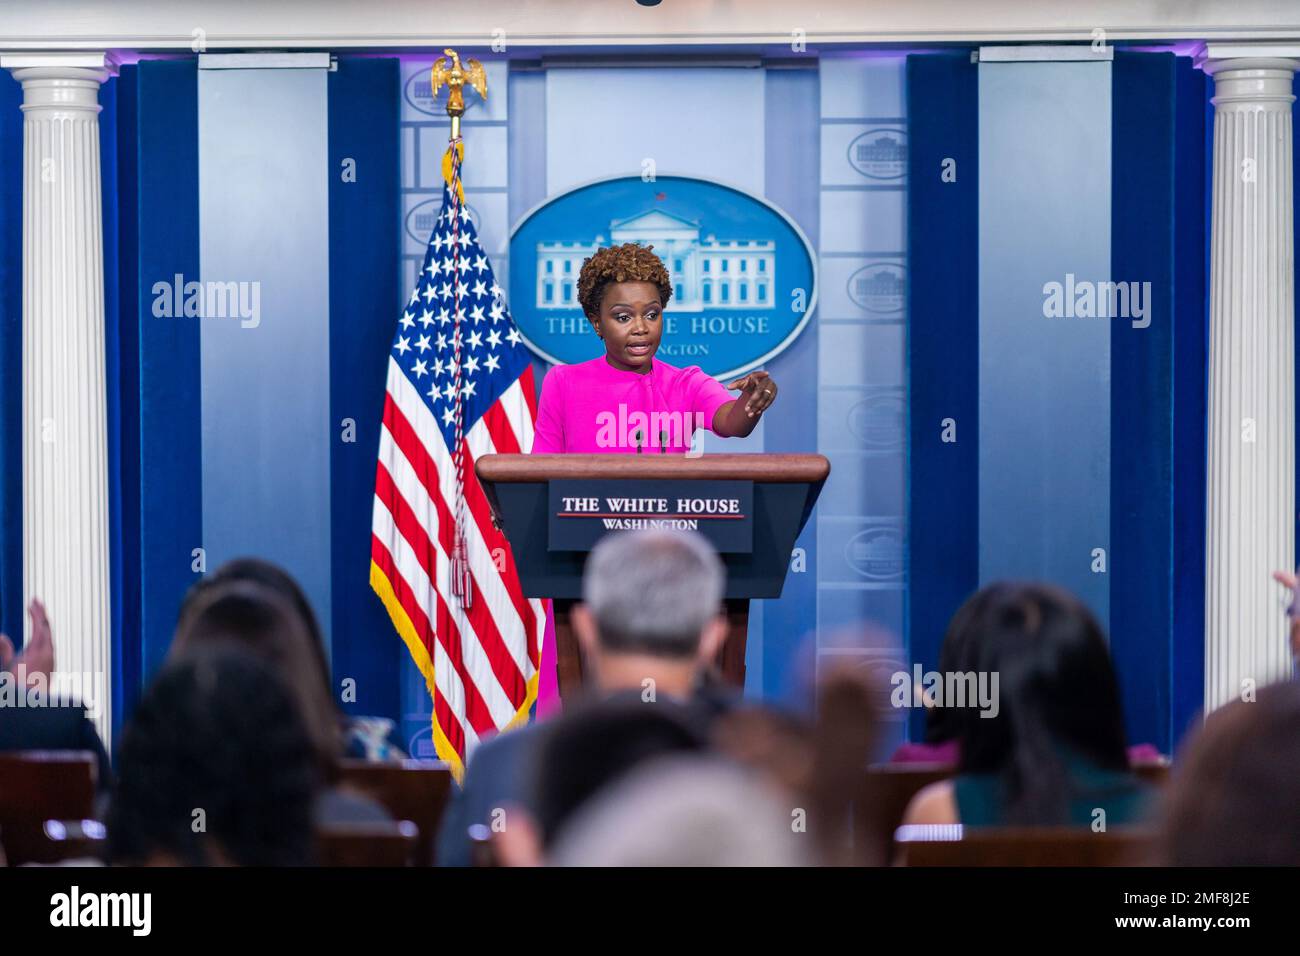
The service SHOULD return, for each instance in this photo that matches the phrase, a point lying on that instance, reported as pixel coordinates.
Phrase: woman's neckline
(604, 360)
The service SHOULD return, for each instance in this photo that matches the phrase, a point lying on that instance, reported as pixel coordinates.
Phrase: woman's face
(631, 322)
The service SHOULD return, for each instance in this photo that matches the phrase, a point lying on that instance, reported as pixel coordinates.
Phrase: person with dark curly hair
(627, 400)
(217, 769)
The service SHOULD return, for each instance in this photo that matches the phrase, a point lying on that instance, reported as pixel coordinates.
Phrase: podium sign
(584, 510)
(554, 508)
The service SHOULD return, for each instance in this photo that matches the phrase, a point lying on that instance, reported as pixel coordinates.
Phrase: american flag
(459, 386)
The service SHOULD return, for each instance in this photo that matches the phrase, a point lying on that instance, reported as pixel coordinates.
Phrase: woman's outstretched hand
(758, 392)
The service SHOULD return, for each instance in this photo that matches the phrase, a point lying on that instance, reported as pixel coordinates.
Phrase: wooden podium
(519, 489)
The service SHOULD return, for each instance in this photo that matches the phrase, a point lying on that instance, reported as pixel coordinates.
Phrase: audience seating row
(47, 805)
(887, 789)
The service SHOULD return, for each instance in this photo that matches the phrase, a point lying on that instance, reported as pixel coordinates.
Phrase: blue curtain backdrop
(150, 139)
(1160, 126)
(1155, 553)
(11, 357)
(153, 369)
(365, 300)
(1158, 393)
(943, 349)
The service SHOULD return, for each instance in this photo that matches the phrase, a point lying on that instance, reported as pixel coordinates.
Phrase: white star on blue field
(492, 352)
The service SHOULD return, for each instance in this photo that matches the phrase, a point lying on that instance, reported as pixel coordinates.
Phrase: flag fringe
(380, 584)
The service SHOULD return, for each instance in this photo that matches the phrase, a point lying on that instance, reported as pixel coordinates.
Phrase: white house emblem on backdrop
(422, 218)
(877, 554)
(878, 421)
(744, 276)
(879, 288)
(880, 154)
(707, 273)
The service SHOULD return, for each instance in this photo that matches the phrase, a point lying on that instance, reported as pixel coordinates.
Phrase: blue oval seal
(880, 153)
(878, 421)
(879, 288)
(422, 218)
(877, 554)
(744, 275)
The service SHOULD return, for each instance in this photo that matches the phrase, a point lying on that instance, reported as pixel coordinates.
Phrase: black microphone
(663, 442)
(637, 436)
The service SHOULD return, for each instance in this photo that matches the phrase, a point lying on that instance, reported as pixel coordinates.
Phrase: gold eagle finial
(454, 77)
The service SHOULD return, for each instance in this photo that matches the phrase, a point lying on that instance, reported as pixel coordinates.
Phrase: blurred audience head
(247, 614)
(655, 596)
(585, 751)
(817, 764)
(216, 768)
(1057, 695)
(1234, 798)
(275, 578)
(682, 811)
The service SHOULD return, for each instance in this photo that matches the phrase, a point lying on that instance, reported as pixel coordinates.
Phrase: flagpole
(454, 77)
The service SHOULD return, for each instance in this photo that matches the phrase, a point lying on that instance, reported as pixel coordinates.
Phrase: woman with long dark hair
(366, 738)
(259, 608)
(1049, 748)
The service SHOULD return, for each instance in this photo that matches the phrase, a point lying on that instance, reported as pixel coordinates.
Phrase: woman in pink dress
(626, 400)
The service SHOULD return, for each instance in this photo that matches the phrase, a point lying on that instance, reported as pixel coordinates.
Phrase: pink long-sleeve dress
(592, 407)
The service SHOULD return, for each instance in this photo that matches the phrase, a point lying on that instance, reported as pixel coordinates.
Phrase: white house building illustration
(709, 273)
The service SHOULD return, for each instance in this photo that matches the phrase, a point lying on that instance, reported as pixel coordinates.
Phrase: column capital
(1214, 52)
(60, 81)
(1251, 75)
(72, 65)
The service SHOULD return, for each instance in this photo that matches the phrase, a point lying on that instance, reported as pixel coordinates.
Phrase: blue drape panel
(942, 349)
(1158, 394)
(157, 519)
(11, 357)
(364, 98)
(1141, 464)
(1191, 236)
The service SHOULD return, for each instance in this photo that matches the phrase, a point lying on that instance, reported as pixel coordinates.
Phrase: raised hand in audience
(37, 658)
(1288, 580)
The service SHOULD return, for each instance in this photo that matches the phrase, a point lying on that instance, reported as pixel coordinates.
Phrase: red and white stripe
(483, 657)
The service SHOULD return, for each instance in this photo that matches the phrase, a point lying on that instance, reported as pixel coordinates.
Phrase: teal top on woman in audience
(1047, 747)
(982, 798)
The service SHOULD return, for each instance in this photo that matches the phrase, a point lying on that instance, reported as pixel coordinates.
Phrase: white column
(1250, 518)
(65, 449)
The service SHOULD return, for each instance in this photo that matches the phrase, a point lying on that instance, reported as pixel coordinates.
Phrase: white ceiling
(158, 25)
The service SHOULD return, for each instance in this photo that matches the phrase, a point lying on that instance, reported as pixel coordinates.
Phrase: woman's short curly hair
(626, 263)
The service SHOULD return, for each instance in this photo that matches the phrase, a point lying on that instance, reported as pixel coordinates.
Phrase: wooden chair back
(40, 785)
(415, 790)
(1021, 846)
(392, 843)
